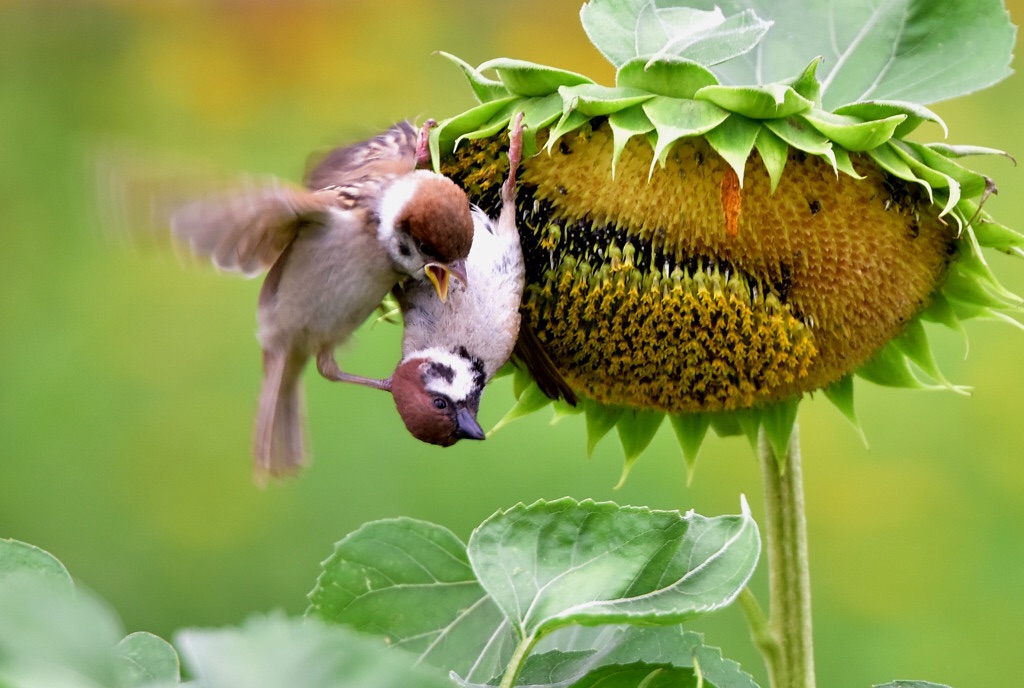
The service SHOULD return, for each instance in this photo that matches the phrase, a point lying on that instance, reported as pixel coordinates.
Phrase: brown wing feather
(530, 352)
(390, 153)
(246, 229)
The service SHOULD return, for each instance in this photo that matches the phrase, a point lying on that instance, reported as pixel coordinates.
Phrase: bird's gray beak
(468, 428)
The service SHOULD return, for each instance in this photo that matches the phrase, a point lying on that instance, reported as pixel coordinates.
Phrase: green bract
(775, 97)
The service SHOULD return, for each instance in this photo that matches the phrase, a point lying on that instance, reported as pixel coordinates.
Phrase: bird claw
(423, 145)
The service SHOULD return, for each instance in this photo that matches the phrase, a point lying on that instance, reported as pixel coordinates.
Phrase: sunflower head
(713, 252)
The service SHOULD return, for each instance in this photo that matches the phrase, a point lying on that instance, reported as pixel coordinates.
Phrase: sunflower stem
(790, 656)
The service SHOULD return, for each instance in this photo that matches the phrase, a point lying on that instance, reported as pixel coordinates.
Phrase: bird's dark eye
(440, 403)
(425, 250)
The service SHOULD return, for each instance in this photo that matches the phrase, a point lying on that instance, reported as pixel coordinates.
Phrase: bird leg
(515, 156)
(423, 146)
(328, 367)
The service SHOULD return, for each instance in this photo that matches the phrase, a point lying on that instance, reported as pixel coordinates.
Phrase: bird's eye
(425, 250)
(440, 403)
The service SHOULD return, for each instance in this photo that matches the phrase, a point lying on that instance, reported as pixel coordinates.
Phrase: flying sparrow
(367, 219)
(450, 351)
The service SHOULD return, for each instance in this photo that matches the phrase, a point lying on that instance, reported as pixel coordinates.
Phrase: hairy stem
(790, 658)
(515, 664)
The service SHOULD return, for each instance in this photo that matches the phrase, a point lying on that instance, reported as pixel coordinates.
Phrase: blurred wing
(530, 351)
(246, 229)
(390, 153)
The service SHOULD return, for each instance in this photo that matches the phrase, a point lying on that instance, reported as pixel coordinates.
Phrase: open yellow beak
(438, 275)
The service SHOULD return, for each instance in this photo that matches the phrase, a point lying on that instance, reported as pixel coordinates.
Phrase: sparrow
(451, 350)
(366, 219)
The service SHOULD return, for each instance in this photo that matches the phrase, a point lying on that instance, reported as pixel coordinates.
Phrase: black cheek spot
(404, 249)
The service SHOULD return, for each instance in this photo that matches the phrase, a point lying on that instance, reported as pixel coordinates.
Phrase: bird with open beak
(451, 350)
(367, 219)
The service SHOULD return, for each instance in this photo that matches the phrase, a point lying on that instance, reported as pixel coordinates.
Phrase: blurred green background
(128, 380)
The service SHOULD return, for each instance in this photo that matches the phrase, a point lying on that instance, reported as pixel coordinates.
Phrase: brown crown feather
(440, 219)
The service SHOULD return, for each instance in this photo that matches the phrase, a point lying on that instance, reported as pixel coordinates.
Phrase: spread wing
(390, 153)
(246, 229)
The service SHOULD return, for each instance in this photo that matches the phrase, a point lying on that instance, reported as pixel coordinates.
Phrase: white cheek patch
(448, 374)
(395, 198)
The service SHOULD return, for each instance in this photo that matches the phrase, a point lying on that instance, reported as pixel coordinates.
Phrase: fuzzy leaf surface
(20, 559)
(919, 51)
(552, 564)
(410, 581)
(278, 652)
(589, 656)
(624, 29)
(146, 659)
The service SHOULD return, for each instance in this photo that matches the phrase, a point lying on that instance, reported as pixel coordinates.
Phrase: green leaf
(483, 88)
(554, 564)
(901, 50)
(530, 79)
(964, 151)
(580, 653)
(622, 30)
(595, 100)
(671, 78)
(915, 114)
(278, 652)
(531, 399)
(852, 133)
(774, 154)
(840, 393)
(896, 50)
(778, 420)
(757, 102)
(912, 684)
(626, 124)
(570, 121)
(410, 581)
(799, 134)
(144, 658)
(462, 125)
(734, 140)
(538, 113)
(636, 428)
(807, 83)
(889, 367)
(690, 429)
(25, 561)
(53, 635)
(600, 419)
(674, 119)
(914, 344)
(997, 236)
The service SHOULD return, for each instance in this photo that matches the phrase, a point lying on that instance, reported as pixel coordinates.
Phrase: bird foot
(515, 156)
(423, 145)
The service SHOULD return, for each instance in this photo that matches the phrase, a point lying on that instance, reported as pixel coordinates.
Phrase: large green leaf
(552, 564)
(606, 655)
(52, 635)
(278, 652)
(624, 29)
(919, 51)
(410, 581)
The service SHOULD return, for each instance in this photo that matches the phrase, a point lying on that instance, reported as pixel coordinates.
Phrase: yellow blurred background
(128, 380)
